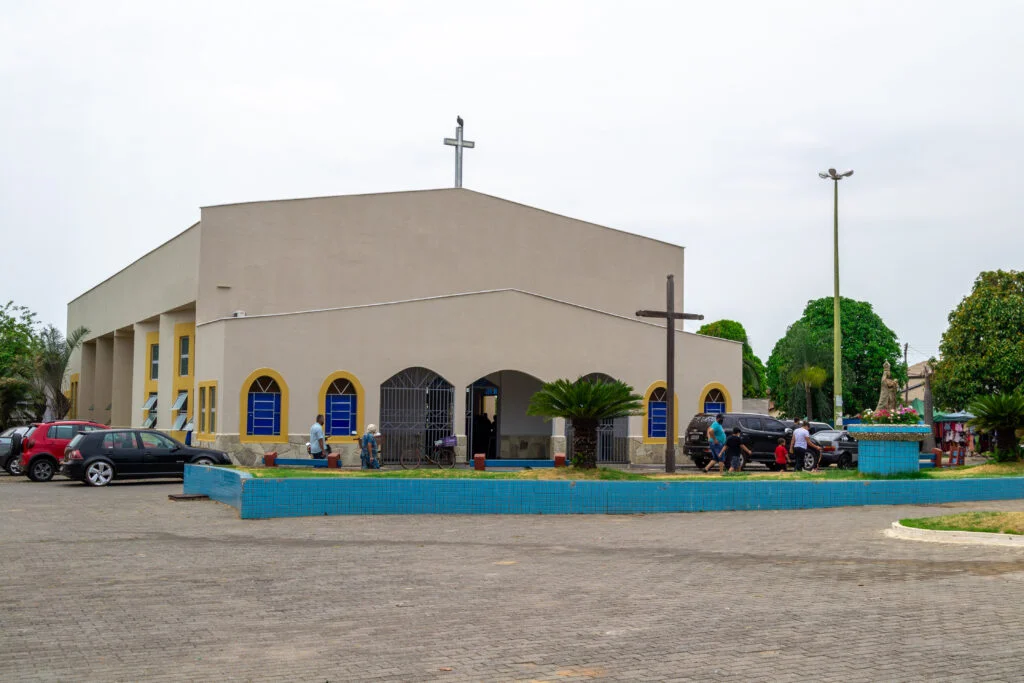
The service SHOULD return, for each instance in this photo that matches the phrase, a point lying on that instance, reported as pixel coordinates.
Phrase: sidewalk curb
(963, 537)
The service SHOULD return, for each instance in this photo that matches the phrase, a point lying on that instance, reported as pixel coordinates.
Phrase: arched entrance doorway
(612, 434)
(496, 420)
(417, 408)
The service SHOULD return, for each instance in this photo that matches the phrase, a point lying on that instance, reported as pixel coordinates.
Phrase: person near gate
(369, 451)
(799, 444)
(317, 440)
(716, 442)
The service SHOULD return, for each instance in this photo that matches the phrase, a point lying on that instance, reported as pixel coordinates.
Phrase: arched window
(714, 401)
(341, 409)
(657, 414)
(264, 408)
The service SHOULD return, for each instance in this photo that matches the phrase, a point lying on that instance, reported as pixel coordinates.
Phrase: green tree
(51, 366)
(982, 351)
(754, 383)
(1003, 413)
(867, 344)
(586, 403)
(797, 371)
(18, 347)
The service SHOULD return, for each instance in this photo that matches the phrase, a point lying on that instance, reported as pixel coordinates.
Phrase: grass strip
(984, 522)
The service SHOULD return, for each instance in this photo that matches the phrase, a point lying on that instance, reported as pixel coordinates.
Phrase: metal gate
(417, 408)
(612, 441)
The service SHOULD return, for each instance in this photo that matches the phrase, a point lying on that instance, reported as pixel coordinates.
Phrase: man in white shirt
(799, 443)
(317, 442)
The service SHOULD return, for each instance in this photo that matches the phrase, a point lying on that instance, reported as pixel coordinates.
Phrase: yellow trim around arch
(243, 407)
(704, 393)
(675, 415)
(360, 404)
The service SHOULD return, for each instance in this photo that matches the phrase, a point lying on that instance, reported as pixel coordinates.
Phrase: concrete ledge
(499, 462)
(963, 537)
(257, 498)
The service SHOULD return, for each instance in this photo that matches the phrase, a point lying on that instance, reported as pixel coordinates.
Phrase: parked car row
(95, 454)
(761, 434)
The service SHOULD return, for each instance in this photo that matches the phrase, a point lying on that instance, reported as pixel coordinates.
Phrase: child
(781, 455)
(734, 450)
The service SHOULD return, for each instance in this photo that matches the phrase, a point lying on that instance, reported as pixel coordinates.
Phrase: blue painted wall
(263, 498)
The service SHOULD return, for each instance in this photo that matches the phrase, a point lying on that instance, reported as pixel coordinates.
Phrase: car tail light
(75, 455)
(29, 443)
(828, 448)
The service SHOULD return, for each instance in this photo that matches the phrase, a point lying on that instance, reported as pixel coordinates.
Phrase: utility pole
(906, 364)
(670, 316)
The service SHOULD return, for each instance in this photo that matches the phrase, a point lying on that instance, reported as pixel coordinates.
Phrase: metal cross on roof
(459, 144)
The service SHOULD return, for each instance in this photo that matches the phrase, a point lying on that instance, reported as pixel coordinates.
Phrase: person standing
(369, 451)
(799, 444)
(734, 450)
(716, 442)
(317, 440)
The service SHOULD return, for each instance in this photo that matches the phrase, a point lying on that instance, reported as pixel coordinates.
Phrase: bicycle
(442, 455)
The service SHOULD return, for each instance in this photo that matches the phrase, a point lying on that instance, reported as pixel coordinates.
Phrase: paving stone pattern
(120, 584)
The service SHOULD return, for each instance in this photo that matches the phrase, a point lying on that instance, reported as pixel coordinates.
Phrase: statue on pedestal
(887, 397)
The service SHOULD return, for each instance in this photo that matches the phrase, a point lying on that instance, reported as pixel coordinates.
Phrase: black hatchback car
(97, 458)
(759, 433)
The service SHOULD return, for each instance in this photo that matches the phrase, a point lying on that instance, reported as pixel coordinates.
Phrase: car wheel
(203, 461)
(41, 469)
(99, 473)
(808, 461)
(13, 467)
(846, 462)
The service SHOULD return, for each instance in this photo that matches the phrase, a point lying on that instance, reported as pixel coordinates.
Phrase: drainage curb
(964, 537)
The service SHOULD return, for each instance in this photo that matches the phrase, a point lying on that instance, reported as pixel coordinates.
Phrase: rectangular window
(73, 410)
(149, 407)
(181, 402)
(179, 422)
(202, 410)
(183, 357)
(340, 415)
(154, 361)
(264, 417)
(657, 419)
(213, 410)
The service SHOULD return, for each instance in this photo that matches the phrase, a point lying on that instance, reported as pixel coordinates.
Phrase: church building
(429, 313)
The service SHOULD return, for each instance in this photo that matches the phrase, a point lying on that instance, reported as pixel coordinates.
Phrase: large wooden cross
(669, 315)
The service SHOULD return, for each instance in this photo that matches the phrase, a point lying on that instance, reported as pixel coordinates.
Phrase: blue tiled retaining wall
(263, 498)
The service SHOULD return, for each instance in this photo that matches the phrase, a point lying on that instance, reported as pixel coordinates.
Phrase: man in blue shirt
(716, 442)
(317, 442)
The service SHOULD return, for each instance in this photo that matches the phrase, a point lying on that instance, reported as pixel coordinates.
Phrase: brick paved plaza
(122, 584)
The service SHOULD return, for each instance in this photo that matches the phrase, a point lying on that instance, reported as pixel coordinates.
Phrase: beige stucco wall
(284, 256)
(510, 330)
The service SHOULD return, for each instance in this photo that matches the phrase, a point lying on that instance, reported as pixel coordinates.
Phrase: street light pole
(837, 334)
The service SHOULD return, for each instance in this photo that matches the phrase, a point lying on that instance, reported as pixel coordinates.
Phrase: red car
(42, 448)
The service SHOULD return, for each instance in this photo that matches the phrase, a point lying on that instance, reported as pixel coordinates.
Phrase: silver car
(837, 448)
(10, 449)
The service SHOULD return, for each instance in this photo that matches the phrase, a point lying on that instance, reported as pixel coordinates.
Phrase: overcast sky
(700, 123)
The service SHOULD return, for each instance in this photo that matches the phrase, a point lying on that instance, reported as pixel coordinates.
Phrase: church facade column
(103, 395)
(87, 381)
(121, 390)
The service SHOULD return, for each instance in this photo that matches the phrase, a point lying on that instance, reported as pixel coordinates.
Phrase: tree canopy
(867, 344)
(18, 346)
(982, 351)
(754, 383)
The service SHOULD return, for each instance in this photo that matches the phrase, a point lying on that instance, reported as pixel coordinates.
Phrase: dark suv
(760, 434)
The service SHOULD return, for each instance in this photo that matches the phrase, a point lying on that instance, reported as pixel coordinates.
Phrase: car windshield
(9, 432)
(828, 435)
(74, 441)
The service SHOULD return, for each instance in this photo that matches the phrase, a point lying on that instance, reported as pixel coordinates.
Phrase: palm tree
(805, 369)
(1003, 413)
(586, 403)
(752, 370)
(808, 378)
(52, 366)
